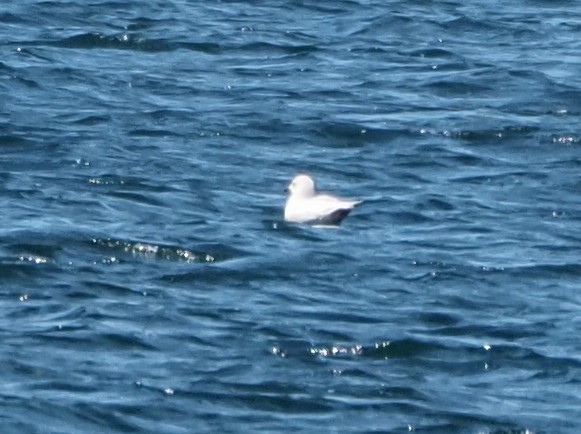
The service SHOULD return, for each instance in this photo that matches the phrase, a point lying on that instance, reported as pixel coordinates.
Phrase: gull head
(302, 186)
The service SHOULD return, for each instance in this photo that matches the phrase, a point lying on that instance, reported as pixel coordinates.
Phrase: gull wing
(328, 210)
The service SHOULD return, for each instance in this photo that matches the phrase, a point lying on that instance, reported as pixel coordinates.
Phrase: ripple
(157, 252)
(149, 283)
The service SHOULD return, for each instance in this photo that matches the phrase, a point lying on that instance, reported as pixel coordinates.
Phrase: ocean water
(150, 285)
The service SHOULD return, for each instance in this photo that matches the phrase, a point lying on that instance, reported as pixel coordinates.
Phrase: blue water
(150, 284)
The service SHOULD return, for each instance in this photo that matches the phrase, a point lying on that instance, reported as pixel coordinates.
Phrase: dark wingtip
(335, 217)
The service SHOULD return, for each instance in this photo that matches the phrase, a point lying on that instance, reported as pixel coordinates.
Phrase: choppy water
(149, 283)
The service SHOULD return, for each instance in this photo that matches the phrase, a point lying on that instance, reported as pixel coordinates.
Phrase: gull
(305, 205)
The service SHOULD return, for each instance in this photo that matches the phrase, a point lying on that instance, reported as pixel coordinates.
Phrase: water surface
(149, 283)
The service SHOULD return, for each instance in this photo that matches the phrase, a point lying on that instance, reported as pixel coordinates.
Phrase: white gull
(305, 205)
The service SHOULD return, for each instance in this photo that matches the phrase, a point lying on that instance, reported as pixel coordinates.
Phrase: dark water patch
(346, 316)
(406, 348)
(458, 88)
(8, 18)
(6, 68)
(123, 342)
(433, 53)
(96, 289)
(15, 269)
(548, 271)
(129, 41)
(137, 198)
(343, 8)
(16, 141)
(299, 231)
(143, 23)
(132, 42)
(529, 75)
(466, 26)
(507, 178)
(461, 423)
(467, 159)
(435, 203)
(236, 277)
(203, 47)
(92, 120)
(71, 320)
(521, 357)
(127, 249)
(519, 328)
(142, 132)
(354, 134)
(274, 401)
(84, 339)
(257, 48)
(91, 416)
(410, 218)
(491, 136)
(35, 246)
(440, 319)
(62, 386)
(28, 83)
